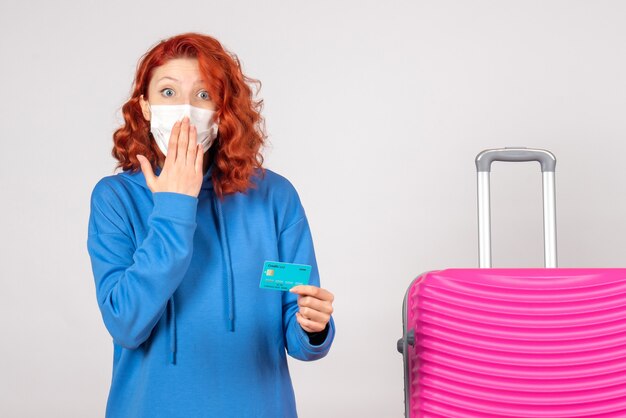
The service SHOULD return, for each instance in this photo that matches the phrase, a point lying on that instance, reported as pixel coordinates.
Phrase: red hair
(241, 128)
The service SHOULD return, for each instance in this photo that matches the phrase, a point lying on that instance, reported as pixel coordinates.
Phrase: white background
(375, 112)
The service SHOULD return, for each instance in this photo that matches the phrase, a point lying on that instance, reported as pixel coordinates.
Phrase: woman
(178, 241)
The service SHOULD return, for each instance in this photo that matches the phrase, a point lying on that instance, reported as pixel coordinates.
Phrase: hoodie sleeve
(295, 245)
(133, 285)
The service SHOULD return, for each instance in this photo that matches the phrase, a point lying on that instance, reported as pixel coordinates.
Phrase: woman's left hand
(315, 307)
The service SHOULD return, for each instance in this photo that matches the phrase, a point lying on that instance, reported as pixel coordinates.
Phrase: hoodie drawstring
(229, 283)
(172, 331)
(229, 268)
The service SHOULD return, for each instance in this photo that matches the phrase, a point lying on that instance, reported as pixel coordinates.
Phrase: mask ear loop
(215, 126)
(149, 107)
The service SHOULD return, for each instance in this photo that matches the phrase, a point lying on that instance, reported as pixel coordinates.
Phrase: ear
(145, 108)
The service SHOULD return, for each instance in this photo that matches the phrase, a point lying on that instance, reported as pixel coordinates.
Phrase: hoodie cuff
(173, 205)
(318, 338)
(320, 346)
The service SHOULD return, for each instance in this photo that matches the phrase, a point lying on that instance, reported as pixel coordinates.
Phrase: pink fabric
(495, 343)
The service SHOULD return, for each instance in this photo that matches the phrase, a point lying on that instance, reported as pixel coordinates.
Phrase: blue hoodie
(177, 283)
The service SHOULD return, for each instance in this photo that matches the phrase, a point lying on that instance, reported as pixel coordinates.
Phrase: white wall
(375, 110)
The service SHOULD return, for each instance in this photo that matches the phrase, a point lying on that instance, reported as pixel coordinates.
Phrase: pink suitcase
(515, 342)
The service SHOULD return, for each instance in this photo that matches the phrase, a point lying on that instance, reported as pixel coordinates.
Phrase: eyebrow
(173, 79)
(168, 77)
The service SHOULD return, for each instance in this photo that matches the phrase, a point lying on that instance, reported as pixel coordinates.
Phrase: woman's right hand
(182, 170)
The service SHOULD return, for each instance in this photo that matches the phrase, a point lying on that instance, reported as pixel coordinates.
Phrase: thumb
(146, 168)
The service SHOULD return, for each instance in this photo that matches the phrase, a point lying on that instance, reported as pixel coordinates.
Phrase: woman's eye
(167, 92)
(203, 95)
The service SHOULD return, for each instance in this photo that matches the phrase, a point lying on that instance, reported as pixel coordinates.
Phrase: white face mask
(163, 117)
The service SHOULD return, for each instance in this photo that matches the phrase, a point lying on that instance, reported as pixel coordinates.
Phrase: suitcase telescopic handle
(483, 167)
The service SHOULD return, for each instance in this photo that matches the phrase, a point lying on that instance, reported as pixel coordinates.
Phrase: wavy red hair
(236, 151)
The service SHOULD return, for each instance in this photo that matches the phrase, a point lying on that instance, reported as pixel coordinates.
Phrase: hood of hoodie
(207, 185)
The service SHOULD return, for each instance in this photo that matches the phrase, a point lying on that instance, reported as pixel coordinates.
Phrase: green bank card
(284, 276)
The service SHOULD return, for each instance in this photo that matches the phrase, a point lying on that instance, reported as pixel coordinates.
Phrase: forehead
(181, 69)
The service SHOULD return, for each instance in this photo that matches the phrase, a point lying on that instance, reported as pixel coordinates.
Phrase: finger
(183, 140)
(313, 315)
(317, 304)
(171, 146)
(316, 292)
(308, 325)
(192, 147)
(199, 158)
(146, 168)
